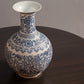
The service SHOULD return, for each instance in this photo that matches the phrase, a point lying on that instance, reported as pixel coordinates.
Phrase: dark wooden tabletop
(66, 67)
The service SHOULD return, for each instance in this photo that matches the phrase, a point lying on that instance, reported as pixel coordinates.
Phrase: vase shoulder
(29, 56)
(31, 43)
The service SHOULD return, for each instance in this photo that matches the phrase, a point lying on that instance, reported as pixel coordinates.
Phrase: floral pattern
(28, 24)
(28, 51)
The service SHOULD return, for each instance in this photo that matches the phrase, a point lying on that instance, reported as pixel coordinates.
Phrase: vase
(28, 51)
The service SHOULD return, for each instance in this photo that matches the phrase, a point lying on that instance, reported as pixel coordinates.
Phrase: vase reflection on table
(28, 51)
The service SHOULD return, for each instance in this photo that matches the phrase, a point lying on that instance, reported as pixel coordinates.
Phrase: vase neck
(27, 23)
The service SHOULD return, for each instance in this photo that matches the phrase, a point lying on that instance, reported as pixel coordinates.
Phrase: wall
(66, 15)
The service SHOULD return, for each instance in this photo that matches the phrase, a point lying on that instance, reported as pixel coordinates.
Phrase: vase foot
(36, 76)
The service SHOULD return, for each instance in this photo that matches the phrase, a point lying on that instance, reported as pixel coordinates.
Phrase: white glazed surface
(28, 51)
(27, 6)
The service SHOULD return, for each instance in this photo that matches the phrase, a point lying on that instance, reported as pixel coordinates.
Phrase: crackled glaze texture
(28, 51)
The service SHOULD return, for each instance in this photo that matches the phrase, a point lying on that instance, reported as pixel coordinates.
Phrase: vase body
(28, 51)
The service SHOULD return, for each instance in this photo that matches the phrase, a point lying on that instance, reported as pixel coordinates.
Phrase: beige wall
(66, 15)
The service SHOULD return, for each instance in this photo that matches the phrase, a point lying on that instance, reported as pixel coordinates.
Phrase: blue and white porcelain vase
(28, 51)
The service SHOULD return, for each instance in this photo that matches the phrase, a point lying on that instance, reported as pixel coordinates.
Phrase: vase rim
(27, 6)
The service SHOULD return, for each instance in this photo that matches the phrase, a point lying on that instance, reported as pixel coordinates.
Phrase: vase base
(36, 76)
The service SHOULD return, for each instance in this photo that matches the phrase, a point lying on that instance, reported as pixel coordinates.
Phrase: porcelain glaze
(28, 51)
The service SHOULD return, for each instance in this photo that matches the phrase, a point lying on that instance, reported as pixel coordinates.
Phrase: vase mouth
(27, 6)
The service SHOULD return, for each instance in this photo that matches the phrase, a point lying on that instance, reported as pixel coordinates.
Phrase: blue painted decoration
(28, 51)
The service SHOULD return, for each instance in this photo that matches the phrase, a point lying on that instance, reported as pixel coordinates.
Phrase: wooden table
(67, 65)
